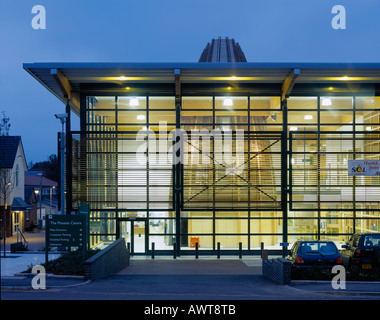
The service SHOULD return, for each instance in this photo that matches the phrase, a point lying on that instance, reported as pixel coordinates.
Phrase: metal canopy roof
(71, 75)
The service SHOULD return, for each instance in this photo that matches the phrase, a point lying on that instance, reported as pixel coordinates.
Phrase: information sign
(66, 230)
(363, 167)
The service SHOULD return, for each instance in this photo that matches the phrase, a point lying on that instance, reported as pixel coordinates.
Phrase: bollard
(218, 250)
(129, 247)
(262, 248)
(196, 250)
(153, 247)
(174, 250)
(240, 250)
(264, 255)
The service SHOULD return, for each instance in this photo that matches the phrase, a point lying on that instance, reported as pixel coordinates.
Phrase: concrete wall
(108, 261)
(277, 270)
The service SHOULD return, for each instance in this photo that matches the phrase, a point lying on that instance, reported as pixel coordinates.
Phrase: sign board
(364, 168)
(95, 226)
(66, 230)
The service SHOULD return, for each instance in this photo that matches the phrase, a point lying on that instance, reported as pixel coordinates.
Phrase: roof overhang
(64, 80)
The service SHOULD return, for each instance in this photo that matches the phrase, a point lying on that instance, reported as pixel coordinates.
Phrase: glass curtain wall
(326, 132)
(230, 194)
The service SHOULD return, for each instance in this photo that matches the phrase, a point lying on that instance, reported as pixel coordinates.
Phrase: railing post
(262, 248)
(218, 250)
(196, 250)
(153, 248)
(240, 250)
(174, 250)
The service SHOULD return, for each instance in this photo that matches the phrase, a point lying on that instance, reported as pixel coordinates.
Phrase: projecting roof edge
(203, 65)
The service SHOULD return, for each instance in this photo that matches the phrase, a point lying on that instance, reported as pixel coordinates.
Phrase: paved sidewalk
(143, 270)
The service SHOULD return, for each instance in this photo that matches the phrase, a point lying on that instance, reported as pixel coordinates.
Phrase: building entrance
(134, 233)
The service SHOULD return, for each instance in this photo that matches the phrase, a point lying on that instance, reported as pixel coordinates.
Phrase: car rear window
(371, 240)
(323, 248)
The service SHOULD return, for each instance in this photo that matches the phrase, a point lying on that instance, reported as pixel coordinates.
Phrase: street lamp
(40, 193)
(62, 117)
(51, 197)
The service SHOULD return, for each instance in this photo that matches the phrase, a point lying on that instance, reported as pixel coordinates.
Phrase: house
(12, 168)
(45, 193)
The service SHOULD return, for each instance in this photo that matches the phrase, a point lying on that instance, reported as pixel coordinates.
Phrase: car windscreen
(371, 240)
(320, 248)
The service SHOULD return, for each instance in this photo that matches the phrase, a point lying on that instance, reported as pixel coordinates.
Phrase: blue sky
(163, 31)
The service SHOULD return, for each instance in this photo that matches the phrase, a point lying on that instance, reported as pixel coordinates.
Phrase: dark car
(313, 259)
(361, 255)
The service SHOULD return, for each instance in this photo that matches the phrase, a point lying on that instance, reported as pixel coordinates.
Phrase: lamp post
(51, 197)
(62, 117)
(40, 193)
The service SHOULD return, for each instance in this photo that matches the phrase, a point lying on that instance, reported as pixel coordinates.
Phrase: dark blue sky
(163, 31)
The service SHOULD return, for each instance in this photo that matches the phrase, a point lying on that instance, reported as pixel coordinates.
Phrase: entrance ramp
(191, 266)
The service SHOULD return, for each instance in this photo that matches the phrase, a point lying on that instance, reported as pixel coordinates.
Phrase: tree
(49, 168)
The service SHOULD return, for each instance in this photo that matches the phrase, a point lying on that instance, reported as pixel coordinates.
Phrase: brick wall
(277, 270)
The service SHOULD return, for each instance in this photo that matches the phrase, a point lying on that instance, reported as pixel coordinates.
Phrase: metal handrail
(25, 243)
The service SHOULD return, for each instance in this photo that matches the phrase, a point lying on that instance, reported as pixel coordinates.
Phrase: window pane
(128, 103)
(302, 103)
(229, 103)
(265, 103)
(100, 102)
(329, 102)
(161, 102)
(196, 102)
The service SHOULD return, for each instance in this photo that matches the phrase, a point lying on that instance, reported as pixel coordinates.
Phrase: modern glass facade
(131, 170)
(228, 156)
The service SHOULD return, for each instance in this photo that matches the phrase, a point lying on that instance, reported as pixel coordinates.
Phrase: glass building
(221, 153)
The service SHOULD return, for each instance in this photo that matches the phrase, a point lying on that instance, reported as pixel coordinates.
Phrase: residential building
(12, 168)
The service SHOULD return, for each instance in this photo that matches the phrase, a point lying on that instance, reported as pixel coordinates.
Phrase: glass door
(138, 236)
(133, 231)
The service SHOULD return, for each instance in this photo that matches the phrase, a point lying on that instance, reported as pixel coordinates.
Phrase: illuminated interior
(264, 150)
(135, 198)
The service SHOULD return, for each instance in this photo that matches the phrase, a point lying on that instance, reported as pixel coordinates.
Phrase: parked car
(361, 255)
(312, 259)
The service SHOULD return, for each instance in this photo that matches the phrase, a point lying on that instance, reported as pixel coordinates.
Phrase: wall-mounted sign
(364, 167)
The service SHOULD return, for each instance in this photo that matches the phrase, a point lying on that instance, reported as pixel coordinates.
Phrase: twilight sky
(163, 31)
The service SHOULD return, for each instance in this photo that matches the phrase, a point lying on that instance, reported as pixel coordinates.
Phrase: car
(312, 259)
(361, 255)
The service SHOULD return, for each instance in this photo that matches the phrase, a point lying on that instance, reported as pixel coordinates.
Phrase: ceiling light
(133, 102)
(368, 129)
(140, 117)
(308, 117)
(228, 102)
(293, 129)
(326, 102)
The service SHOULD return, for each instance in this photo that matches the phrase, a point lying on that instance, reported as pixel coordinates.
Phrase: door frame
(132, 220)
